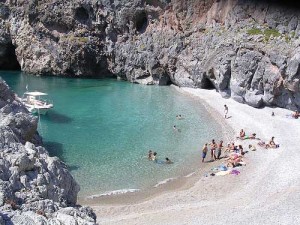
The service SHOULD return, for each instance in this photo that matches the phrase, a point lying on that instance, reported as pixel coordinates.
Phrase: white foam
(191, 174)
(164, 182)
(115, 192)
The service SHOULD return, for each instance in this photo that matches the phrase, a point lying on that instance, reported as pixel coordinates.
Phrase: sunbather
(272, 144)
(242, 135)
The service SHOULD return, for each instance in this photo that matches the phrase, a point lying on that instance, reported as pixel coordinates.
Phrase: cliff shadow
(56, 117)
(55, 149)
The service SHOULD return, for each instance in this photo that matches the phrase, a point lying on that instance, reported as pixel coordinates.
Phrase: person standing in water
(225, 111)
(204, 152)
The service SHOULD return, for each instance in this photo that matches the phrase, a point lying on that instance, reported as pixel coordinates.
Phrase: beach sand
(267, 191)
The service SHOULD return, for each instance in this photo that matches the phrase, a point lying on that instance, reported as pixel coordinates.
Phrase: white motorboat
(35, 104)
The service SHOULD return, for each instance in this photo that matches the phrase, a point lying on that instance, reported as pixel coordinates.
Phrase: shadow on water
(56, 117)
(54, 149)
(73, 167)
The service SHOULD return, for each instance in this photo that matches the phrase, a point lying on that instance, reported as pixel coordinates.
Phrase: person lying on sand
(252, 136)
(235, 161)
(272, 144)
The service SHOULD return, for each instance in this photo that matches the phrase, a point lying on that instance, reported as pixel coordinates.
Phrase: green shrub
(271, 32)
(254, 31)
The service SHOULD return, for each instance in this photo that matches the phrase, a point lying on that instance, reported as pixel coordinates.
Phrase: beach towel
(235, 172)
(222, 173)
(222, 168)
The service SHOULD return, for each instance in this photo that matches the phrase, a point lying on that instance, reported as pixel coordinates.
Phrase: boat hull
(38, 110)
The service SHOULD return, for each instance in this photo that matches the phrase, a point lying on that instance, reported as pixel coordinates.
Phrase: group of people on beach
(235, 152)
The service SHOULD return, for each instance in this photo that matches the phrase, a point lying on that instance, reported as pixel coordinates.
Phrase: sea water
(104, 128)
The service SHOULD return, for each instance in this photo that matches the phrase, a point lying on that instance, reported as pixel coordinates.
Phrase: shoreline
(171, 184)
(261, 194)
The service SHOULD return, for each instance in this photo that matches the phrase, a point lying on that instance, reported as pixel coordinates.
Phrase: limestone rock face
(247, 50)
(34, 187)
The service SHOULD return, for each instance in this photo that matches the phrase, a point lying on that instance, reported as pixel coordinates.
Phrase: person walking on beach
(220, 146)
(225, 111)
(213, 147)
(204, 152)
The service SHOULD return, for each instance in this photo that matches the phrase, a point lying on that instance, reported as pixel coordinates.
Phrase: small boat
(35, 104)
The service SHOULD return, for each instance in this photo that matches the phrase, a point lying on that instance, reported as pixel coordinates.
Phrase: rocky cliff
(34, 187)
(247, 50)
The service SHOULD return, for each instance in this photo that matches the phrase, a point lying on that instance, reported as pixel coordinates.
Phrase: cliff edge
(34, 187)
(246, 50)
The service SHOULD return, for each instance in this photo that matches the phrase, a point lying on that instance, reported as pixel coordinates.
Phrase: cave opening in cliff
(207, 84)
(82, 15)
(141, 21)
(8, 58)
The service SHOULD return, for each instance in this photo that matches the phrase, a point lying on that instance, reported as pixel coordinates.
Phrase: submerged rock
(34, 187)
(247, 50)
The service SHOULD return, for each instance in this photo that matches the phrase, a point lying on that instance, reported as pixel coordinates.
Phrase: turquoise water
(103, 129)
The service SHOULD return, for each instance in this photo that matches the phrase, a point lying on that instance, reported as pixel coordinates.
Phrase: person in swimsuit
(272, 144)
(225, 111)
(213, 147)
(220, 146)
(242, 135)
(204, 152)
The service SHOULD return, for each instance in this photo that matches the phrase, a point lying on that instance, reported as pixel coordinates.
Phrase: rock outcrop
(34, 187)
(247, 50)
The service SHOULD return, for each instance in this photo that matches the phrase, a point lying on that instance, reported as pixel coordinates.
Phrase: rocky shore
(34, 187)
(247, 50)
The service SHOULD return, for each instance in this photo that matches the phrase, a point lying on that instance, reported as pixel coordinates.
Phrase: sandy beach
(267, 191)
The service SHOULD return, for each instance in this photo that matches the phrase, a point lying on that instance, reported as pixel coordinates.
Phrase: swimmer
(150, 155)
(179, 117)
(153, 158)
(168, 161)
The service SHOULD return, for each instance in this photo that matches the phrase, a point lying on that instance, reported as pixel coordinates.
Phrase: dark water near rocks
(103, 129)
